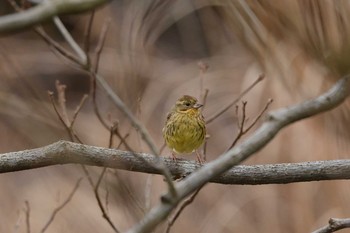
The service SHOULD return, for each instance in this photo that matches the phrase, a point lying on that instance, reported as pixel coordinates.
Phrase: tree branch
(45, 11)
(334, 224)
(65, 152)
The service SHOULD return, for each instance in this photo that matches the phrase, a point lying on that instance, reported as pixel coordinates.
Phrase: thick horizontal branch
(64, 152)
(44, 11)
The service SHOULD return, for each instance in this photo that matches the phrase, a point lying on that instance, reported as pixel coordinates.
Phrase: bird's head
(186, 103)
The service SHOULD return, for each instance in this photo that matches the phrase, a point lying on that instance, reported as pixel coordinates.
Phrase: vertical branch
(203, 67)
(87, 36)
(27, 212)
(62, 101)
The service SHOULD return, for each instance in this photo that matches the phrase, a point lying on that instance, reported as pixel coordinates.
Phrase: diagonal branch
(60, 207)
(275, 121)
(334, 224)
(45, 11)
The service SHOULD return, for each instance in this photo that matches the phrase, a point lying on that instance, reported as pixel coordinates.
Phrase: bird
(185, 130)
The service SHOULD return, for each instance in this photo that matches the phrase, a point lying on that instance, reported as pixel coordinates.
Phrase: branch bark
(45, 11)
(65, 152)
(334, 224)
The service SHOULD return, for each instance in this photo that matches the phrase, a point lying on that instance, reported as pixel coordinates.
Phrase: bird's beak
(196, 106)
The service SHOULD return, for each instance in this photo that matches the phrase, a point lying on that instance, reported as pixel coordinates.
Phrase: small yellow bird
(184, 129)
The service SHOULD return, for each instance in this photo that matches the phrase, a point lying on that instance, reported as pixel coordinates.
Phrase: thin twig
(87, 35)
(203, 67)
(259, 116)
(88, 176)
(51, 96)
(44, 11)
(61, 97)
(93, 70)
(60, 207)
(227, 107)
(107, 197)
(94, 99)
(111, 133)
(119, 103)
(99, 201)
(101, 43)
(27, 212)
(51, 42)
(139, 116)
(334, 224)
(71, 42)
(66, 123)
(57, 47)
(204, 101)
(105, 215)
(77, 110)
(241, 124)
(184, 204)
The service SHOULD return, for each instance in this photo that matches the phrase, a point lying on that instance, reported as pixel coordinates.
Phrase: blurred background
(150, 59)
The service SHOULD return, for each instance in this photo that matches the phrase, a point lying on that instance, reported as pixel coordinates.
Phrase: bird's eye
(187, 104)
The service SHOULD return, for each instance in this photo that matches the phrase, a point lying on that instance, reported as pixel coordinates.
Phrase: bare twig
(66, 122)
(101, 43)
(93, 71)
(203, 67)
(61, 97)
(57, 47)
(45, 11)
(87, 35)
(97, 79)
(241, 124)
(259, 115)
(185, 203)
(51, 42)
(77, 110)
(71, 42)
(205, 96)
(27, 212)
(50, 93)
(88, 176)
(99, 202)
(105, 215)
(334, 224)
(111, 133)
(60, 207)
(228, 106)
